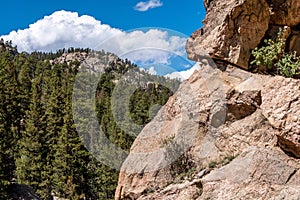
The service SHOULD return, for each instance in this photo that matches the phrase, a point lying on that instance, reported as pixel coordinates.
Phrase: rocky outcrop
(284, 12)
(233, 28)
(242, 104)
(216, 115)
(226, 133)
(290, 147)
(95, 60)
(70, 57)
(258, 173)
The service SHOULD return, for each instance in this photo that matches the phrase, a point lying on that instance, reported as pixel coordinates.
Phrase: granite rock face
(284, 12)
(203, 116)
(257, 173)
(233, 28)
(226, 133)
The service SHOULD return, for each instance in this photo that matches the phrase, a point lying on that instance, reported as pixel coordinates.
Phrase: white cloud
(154, 46)
(62, 29)
(144, 6)
(183, 75)
(65, 29)
(151, 70)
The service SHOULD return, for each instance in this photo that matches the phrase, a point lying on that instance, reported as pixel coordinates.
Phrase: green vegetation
(226, 160)
(181, 166)
(212, 164)
(288, 65)
(272, 57)
(39, 144)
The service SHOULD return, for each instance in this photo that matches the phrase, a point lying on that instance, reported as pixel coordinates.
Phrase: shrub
(268, 55)
(176, 155)
(272, 55)
(288, 65)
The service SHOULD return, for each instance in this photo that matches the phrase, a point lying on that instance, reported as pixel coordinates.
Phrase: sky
(117, 26)
(183, 16)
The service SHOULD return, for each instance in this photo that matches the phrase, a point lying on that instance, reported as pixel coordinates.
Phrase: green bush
(266, 56)
(272, 55)
(288, 65)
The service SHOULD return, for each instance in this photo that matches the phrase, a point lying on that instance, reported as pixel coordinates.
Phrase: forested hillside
(39, 144)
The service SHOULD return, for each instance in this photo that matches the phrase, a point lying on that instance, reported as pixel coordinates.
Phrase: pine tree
(71, 157)
(9, 120)
(53, 117)
(30, 161)
(39, 145)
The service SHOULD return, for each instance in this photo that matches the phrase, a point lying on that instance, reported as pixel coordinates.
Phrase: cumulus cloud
(151, 70)
(183, 75)
(152, 46)
(64, 29)
(144, 6)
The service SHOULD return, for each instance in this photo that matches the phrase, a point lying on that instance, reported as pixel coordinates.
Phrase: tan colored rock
(196, 118)
(281, 103)
(285, 12)
(216, 115)
(292, 148)
(231, 30)
(181, 191)
(257, 173)
(242, 104)
(147, 165)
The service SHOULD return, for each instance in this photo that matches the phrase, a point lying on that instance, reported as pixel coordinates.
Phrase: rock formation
(226, 133)
(211, 128)
(233, 28)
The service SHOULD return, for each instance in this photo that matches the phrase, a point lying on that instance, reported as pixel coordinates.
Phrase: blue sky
(116, 26)
(183, 16)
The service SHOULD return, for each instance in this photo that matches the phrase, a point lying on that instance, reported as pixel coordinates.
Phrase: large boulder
(257, 173)
(284, 12)
(233, 28)
(209, 117)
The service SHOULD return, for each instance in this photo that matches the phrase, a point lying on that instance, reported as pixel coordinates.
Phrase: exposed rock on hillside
(96, 60)
(211, 128)
(227, 134)
(233, 28)
(258, 173)
(284, 12)
(70, 57)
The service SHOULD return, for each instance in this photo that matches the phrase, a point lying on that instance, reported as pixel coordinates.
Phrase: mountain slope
(227, 133)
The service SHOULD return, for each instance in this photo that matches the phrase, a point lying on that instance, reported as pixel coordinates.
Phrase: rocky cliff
(227, 133)
(233, 28)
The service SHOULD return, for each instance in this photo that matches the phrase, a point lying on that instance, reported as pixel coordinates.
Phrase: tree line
(39, 144)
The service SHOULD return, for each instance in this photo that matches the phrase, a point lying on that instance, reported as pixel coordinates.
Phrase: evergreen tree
(9, 120)
(53, 117)
(30, 160)
(39, 145)
(70, 155)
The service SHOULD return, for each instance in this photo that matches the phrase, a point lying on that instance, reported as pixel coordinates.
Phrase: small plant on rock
(180, 164)
(268, 55)
(288, 65)
(272, 57)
